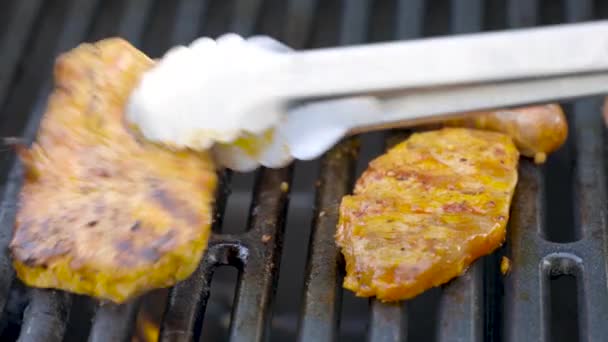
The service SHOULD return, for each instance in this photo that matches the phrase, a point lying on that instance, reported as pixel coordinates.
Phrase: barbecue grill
(272, 270)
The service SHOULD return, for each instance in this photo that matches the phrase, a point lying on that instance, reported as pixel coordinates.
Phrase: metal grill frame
(466, 309)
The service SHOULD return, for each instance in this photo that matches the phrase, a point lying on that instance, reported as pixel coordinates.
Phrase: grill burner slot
(481, 305)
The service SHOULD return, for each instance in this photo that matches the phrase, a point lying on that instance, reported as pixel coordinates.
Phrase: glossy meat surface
(102, 212)
(422, 212)
(537, 131)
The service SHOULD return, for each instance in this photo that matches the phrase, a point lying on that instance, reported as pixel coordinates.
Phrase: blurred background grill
(272, 270)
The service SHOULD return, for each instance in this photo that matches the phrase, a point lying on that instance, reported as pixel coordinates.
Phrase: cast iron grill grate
(557, 289)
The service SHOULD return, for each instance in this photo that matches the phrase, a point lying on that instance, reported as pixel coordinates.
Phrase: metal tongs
(338, 91)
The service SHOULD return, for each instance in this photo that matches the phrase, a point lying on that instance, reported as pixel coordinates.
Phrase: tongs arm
(474, 59)
(407, 83)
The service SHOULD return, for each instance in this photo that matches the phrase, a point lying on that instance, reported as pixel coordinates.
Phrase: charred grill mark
(136, 226)
(175, 206)
(100, 207)
(22, 250)
(150, 254)
(461, 207)
(124, 246)
(23, 228)
(65, 88)
(44, 227)
(100, 172)
(165, 242)
(499, 151)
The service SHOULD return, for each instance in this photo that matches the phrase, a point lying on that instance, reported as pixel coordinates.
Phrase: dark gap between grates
(551, 12)
(80, 319)
(157, 35)
(559, 189)
(372, 145)
(12, 317)
(147, 321)
(221, 301)
(600, 9)
(437, 18)
(272, 18)
(383, 21)
(239, 201)
(37, 62)
(217, 18)
(104, 24)
(354, 317)
(562, 285)
(6, 9)
(563, 309)
(324, 28)
(494, 17)
(295, 249)
(422, 316)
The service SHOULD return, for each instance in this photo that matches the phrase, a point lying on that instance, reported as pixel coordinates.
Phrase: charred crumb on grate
(265, 238)
(505, 265)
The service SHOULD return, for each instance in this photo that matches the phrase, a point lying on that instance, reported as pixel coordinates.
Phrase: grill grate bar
(45, 317)
(261, 257)
(461, 307)
(387, 322)
(522, 13)
(410, 18)
(114, 322)
(245, 16)
(14, 41)
(522, 286)
(299, 21)
(466, 16)
(319, 320)
(355, 22)
(578, 10)
(188, 24)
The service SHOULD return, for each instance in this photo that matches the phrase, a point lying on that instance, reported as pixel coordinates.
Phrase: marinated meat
(425, 210)
(102, 212)
(536, 130)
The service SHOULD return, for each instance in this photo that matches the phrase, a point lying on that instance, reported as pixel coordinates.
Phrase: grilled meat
(425, 210)
(536, 130)
(102, 213)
